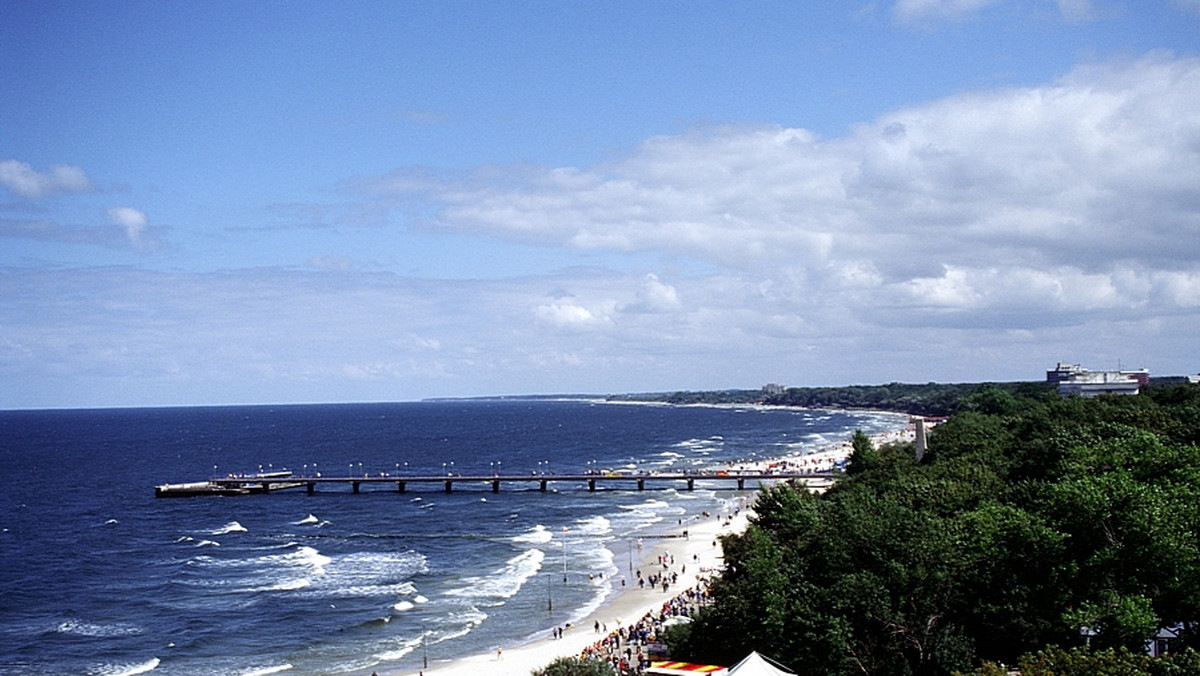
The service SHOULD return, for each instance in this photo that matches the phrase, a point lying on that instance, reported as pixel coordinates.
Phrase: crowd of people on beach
(629, 649)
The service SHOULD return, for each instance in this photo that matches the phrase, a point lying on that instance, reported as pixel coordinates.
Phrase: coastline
(697, 556)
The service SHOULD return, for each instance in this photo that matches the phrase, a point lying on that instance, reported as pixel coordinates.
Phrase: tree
(1032, 522)
(575, 666)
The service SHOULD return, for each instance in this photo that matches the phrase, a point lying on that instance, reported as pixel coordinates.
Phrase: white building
(1095, 383)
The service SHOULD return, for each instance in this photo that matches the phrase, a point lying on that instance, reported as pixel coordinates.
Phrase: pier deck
(275, 481)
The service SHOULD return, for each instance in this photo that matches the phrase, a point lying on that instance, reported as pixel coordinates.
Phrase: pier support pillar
(741, 484)
(312, 487)
(354, 485)
(691, 484)
(401, 487)
(448, 484)
(592, 485)
(542, 486)
(495, 485)
(641, 484)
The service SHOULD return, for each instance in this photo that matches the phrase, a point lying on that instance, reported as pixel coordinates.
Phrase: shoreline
(696, 556)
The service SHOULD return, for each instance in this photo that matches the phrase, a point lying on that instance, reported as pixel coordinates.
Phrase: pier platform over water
(270, 482)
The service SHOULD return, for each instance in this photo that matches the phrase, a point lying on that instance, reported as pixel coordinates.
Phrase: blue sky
(236, 202)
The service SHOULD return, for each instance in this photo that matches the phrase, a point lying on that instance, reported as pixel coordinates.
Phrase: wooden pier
(275, 481)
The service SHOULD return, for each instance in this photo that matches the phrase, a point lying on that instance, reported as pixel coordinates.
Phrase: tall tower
(920, 445)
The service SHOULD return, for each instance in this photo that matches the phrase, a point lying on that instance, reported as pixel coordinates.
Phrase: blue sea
(100, 577)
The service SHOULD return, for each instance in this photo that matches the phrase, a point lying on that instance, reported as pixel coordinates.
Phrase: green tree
(575, 666)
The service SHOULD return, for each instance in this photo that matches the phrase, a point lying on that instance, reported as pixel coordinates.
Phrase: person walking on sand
(499, 653)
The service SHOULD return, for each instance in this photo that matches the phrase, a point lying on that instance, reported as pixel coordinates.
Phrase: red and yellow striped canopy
(667, 668)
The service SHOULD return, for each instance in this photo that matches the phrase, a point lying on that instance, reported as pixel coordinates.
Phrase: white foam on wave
(402, 606)
(290, 571)
(126, 669)
(502, 584)
(82, 628)
(231, 527)
(537, 535)
(306, 520)
(594, 525)
(596, 560)
(208, 543)
(465, 621)
(647, 506)
(366, 574)
(264, 671)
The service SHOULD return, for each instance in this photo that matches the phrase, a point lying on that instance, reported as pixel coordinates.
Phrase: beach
(696, 556)
(693, 557)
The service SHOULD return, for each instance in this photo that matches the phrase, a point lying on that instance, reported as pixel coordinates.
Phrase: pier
(270, 482)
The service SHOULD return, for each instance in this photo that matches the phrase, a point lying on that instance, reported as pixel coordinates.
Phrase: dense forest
(1033, 524)
(929, 399)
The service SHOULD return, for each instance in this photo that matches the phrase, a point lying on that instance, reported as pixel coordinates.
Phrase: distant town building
(1063, 371)
(1194, 379)
(1073, 379)
(773, 388)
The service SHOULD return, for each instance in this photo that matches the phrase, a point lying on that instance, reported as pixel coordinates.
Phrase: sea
(100, 577)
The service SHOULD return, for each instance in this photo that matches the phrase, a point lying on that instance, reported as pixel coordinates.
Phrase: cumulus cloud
(569, 315)
(21, 179)
(654, 296)
(132, 221)
(959, 203)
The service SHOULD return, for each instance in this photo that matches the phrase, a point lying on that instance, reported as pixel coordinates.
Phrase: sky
(275, 202)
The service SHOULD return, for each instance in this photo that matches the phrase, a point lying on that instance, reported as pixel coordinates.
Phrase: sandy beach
(695, 556)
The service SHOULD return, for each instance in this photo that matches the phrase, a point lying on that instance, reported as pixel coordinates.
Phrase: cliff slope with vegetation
(1031, 522)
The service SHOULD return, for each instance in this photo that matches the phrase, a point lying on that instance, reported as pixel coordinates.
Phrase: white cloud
(654, 296)
(565, 314)
(21, 179)
(132, 221)
(1093, 177)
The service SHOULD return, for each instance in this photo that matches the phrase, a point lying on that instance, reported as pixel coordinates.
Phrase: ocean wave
(264, 671)
(125, 669)
(537, 535)
(402, 606)
(308, 519)
(231, 527)
(208, 543)
(91, 629)
(463, 622)
(647, 506)
(397, 653)
(504, 583)
(595, 525)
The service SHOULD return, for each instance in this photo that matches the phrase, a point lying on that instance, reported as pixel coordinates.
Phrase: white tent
(757, 665)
